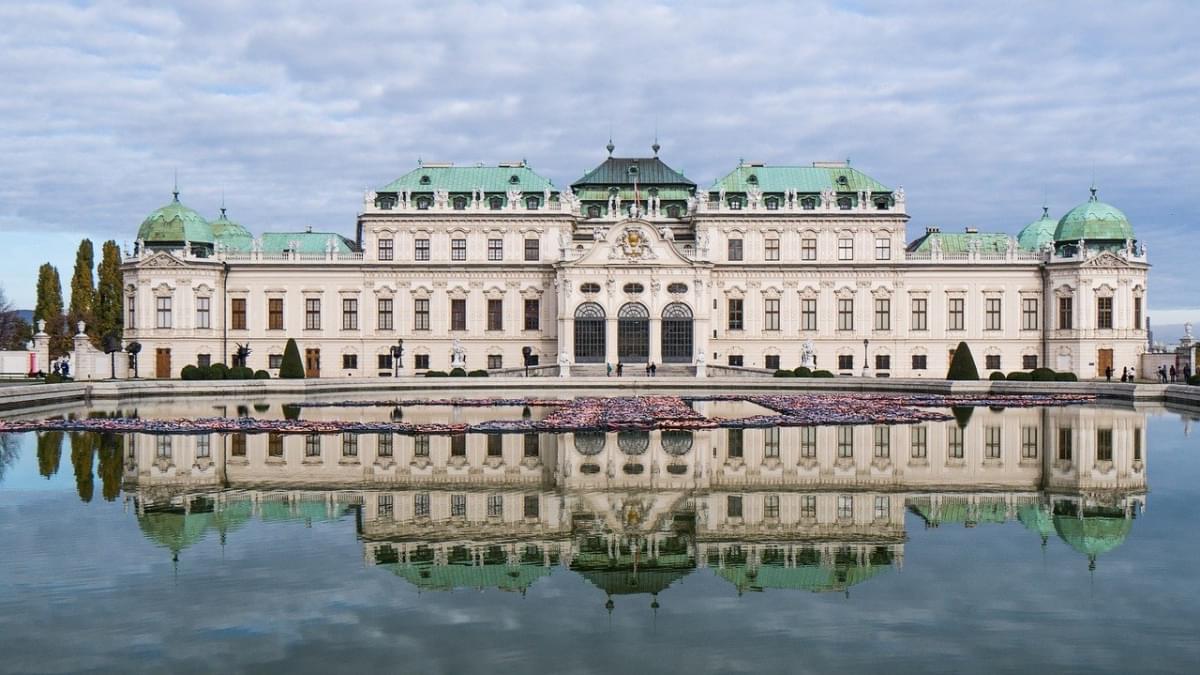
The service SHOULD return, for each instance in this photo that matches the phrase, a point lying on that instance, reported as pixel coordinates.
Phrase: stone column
(656, 340)
(610, 340)
(83, 361)
(41, 347)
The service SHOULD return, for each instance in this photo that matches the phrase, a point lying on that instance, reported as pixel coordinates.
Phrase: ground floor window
(845, 362)
(735, 360)
(772, 361)
(1029, 362)
(919, 362)
(495, 361)
(350, 361)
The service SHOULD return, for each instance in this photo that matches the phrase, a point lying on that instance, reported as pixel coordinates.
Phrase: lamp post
(525, 352)
(397, 357)
(866, 357)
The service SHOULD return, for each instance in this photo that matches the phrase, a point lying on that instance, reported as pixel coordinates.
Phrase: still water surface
(1022, 540)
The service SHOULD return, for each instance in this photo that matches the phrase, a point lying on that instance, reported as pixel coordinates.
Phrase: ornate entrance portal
(633, 333)
(677, 345)
(589, 333)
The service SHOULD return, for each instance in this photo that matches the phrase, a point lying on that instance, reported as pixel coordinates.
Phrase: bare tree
(14, 332)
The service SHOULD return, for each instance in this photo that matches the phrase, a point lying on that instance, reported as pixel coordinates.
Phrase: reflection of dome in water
(176, 530)
(1093, 535)
(1036, 519)
(810, 575)
(497, 571)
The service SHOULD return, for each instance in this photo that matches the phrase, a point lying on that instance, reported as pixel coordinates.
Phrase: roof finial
(222, 202)
(656, 146)
(610, 145)
(176, 190)
(1093, 198)
(1045, 212)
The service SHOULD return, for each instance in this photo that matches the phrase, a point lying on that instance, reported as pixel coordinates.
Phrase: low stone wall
(33, 396)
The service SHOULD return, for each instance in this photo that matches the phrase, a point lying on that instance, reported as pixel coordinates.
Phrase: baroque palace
(768, 267)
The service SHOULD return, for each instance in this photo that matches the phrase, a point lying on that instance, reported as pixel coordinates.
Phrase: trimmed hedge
(458, 372)
(189, 373)
(802, 371)
(1042, 375)
(217, 371)
(55, 378)
(292, 367)
(822, 373)
(962, 367)
(478, 373)
(1194, 380)
(1065, 377)
(435, 373)
(996, 376)
(262, 375)
(1019, 376)
(784, 373)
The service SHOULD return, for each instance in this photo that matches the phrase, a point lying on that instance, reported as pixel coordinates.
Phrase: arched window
(844, 203)
(514, 179)
(676, 442)
(496, 203)
(633, 333)
(423, 203)
(425, 180)
(752, 179)
(590, 343)
(808, 203)
(634, 288)
(772, 204)
(531, 203)
(677, 334)
(460, 203)
(633, 310)
(589, 443)
(633, 442)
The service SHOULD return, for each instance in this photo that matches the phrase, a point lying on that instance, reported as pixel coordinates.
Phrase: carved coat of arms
(633, 244)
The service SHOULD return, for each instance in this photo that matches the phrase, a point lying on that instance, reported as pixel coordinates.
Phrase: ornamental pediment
(162, 260)
(1107, 260)
(632, 242)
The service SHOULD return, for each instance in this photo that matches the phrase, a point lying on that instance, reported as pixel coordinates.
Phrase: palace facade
(634, 263)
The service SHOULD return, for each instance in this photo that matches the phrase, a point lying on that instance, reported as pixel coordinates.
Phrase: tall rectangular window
(733, 505)
(954, 441)
(808, 314)
(312, 314)
(735, 249)
(734, 438)
(845, 507)
(920, 314)
(386, 252)
(421, 314)
(237, 445)
(312, 445)
(771, 442)
(735, 314)
(845, 442)
(956, 318)
(771, 306)
(532, 505)
(533, 314)
(458, 506)
(533, 250)
(458, 314)
(1104, 445)
(845, 313)
(1029, 442)
(845, 249)
(421, 505)
(883, 442)
(531, 448)
(421, 249)
(495, 315)
(275, 314)
(495, 249)
(349, 445)
(237, 313)
(808, 248)
(1137, 313)
(991, 314)
(274, 445)
(384, 444)
(204, 313)
(771, 249)
(349, 314)
(919, 441)
(771, 506)
(1104, 312)
(163, 306)
(495, 361)
(1029, 314)
(386, 321)
(991, 442)
(883, 248)
(495, 506)
(495, 445)
(808, 442)
(458, 445)
(421, 445)
(1065, 443)
(387, 506)
(383, 362)
(883, 314)
(458, 249)
(131, 312)
(203, 446)
(1066, 313)
(920, 361)
(883, 507)
(808, 506)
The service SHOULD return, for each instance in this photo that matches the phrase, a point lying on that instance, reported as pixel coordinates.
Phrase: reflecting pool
(1011, 540)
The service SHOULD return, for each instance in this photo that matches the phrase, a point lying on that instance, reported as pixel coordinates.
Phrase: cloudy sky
(291, 110)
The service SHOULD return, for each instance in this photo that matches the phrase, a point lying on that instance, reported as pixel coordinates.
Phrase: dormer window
(772, 204)
(425, 180)
(633, 170)
(531, 203)
(423, 203)
(460, 203)
(752, 179)
(386, 203)
(672, 211)
(844, 203)
(808, 204)
(881, 204)
(593, 212)
(735, 204)
(843, 181)
(496, 203)
(514, 179)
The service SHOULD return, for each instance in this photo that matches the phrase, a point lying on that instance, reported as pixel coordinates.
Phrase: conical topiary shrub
(292, 367)
(962, 366)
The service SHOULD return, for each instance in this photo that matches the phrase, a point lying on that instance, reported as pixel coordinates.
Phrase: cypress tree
(49, 452)
(109, 298)
(50, 309)
(292, 367)
(83, 290)
(962, 366)
(83, 452)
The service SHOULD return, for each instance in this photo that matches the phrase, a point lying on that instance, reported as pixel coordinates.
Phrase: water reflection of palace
(815, 508)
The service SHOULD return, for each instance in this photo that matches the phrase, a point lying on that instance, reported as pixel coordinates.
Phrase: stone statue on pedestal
(458, 355)
(807, 354)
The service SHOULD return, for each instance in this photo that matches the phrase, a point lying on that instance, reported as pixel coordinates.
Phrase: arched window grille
(677, 333)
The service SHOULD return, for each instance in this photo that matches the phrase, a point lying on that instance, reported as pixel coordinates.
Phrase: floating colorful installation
(618, 413)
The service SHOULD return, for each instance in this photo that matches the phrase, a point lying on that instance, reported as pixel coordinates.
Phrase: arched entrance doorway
(633, 333)
(677, 346)
(589, 333)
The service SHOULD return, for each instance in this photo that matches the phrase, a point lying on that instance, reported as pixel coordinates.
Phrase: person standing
(620, 368)
(607, 369)
(653, 370)
(1108, 374)
(1173, 373)
(1125, 374)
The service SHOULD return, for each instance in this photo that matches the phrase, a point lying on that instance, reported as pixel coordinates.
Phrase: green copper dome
(1093, 221)
(1036, 235)
(230, 234)
(175, 223)
(1093, 535)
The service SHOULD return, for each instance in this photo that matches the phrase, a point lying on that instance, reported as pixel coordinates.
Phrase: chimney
(972, 230)
(932, 229)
